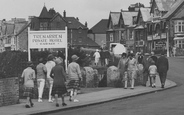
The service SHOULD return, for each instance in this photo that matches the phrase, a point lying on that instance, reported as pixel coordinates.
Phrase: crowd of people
(59, 80)
(147, 66)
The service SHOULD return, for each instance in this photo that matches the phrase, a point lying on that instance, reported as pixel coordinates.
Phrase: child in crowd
(152, 73)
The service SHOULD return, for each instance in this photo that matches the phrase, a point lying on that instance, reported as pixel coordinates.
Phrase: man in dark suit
(163, 67)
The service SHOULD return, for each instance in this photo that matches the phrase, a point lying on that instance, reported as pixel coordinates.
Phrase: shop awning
(179, 38)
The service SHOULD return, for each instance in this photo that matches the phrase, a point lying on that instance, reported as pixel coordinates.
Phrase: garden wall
(9, 91)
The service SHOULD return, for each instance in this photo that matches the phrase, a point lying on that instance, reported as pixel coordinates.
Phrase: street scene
(104, 57)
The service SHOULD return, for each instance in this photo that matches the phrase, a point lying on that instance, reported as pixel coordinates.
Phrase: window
(43, 26)
(179, 26)
(179, 43)
(111, 37)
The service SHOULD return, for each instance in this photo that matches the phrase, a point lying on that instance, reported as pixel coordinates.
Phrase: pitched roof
(74, 23)
(100, 27)
(173, 9)
(85, 42)
(44, 13)
(164, 5)
(115, 16)
(145, 14)
(180, 15)
(128, 17)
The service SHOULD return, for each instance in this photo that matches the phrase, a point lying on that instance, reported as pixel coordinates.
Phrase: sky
(90, 11)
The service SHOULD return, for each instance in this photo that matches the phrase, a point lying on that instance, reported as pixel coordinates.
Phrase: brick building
(12, 35)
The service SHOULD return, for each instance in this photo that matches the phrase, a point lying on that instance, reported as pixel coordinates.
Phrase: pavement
(85, 99)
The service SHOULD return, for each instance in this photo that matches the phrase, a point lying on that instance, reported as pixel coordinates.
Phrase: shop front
(157, 43)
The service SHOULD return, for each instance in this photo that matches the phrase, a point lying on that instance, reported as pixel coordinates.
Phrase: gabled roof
(57, 14)
(44, 13)
(164, 5)
(145, 12)
(128, 16)
(100, 27)
(115, 16)
(73, 23)
(173, 9)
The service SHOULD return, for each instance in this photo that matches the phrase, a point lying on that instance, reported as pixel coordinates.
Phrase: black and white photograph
(92, 57)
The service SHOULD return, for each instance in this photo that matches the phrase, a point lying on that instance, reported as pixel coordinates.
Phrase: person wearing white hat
(74, 74)
(97, 57)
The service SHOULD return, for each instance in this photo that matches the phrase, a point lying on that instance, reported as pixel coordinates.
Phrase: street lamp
(167, 37)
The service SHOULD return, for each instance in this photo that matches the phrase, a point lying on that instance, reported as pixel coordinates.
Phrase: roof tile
(100, 27)
(128, 17)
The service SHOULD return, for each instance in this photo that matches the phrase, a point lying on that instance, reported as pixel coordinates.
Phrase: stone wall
(9, 91)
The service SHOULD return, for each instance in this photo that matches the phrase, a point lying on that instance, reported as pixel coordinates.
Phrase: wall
(9, 91)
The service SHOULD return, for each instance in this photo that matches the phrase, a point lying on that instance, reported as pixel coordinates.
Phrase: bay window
(179, 26)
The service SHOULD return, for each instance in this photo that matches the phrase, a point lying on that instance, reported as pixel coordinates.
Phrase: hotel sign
(48, 39)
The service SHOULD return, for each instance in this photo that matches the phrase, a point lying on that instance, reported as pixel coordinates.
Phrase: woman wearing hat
(74, 74)
(28, 75)
(59, 76)
(41, 71)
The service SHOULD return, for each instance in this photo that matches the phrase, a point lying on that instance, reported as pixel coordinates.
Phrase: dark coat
(140, 59)
(154, 58)
(59, 75)
(162, 64)
(145, 63)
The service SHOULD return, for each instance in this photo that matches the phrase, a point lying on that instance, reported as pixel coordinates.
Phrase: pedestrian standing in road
(146, 65)
(152, 73)
(132, 68)
(97, 57)
(122, 66)
(59, 79)
(49, 65)
(28, 76)
(41, 72)
(74, 74)
(163, 67)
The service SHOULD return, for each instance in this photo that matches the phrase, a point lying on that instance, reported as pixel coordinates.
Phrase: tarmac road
(167, 102)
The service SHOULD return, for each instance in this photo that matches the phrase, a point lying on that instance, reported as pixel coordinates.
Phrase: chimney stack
(64, 14)
(86, 24)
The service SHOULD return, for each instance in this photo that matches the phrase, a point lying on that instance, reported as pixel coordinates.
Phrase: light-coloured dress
(132, 68)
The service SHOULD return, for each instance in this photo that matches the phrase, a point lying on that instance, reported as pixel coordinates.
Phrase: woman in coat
(59, 76)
